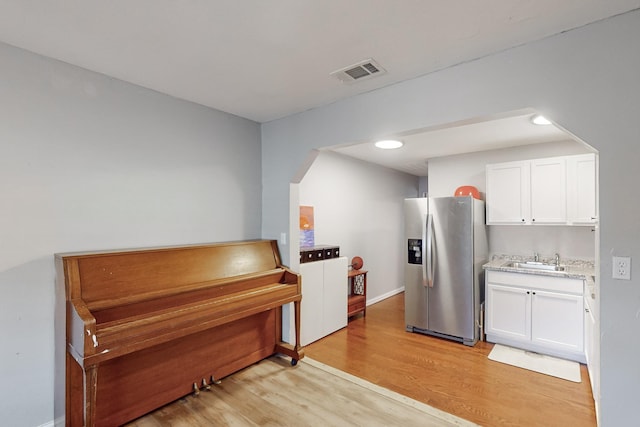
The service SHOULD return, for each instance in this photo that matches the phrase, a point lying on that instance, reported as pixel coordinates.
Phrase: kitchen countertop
(576, 269)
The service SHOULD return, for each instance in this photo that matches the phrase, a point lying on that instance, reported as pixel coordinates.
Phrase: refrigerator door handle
(424, 251)
(429, 252)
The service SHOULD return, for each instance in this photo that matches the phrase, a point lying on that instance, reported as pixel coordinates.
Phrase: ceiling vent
(360, 71)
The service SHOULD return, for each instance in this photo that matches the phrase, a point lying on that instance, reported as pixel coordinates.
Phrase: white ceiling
(510, 130)
(266, 59)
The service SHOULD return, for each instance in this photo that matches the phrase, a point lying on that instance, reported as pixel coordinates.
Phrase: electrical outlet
(622, 267)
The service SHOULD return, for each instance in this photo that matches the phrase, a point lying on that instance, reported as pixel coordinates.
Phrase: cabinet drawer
(357, 304)
(547, 283)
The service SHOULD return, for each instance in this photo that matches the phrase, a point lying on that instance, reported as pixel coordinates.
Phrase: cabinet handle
(533, 293)
(533, 220)
(528, 292)
(586, 310)
(522, 219)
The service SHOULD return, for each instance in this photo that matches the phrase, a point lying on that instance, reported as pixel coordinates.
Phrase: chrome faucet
(557, 259)
(536, 258)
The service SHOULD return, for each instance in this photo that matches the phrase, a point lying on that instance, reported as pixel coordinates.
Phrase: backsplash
(571, 242)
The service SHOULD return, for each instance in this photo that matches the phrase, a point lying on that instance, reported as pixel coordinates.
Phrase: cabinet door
(508, 197)
(548, 191)
(335, 296)
(591, 352)
(311, 306)
(589, 328)
(557, 320)
(508, 312)
(582, 186)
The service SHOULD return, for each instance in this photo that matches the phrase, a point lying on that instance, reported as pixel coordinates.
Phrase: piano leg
(90, 387)
(296, 306)
(294, 351)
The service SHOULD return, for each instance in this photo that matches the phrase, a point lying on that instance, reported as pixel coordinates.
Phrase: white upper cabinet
(549, 191)
(582, 179)
(508, 193)
(555, 190)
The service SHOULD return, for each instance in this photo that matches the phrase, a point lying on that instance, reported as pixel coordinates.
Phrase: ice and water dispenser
(414, 248)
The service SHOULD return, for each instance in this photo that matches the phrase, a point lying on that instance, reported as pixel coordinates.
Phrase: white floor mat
(560, 368)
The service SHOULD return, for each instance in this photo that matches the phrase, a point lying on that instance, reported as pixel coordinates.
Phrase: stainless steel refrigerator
(446, 247)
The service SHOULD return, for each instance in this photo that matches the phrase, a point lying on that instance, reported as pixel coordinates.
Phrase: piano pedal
(215, 381)
(196, 389)
(205, 385)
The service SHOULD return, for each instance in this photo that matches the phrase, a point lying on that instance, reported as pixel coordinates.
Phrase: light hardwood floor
(272, 393)
(449, 376)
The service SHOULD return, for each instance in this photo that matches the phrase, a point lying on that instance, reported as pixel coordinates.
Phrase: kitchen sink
(533, 265)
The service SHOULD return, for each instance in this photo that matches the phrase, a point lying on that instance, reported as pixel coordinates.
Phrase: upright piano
(145, 327)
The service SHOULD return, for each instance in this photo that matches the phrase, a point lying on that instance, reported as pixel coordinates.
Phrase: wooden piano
(146, 327)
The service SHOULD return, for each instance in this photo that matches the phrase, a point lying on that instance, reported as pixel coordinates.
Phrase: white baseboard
(59, 422)
(385, 296)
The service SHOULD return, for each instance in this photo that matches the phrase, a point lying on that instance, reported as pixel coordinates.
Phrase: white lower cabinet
(508, 312)
(536, 312)
(557, 320)
(591, 348)
(323, 309)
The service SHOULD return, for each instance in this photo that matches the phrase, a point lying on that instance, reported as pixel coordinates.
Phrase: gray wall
(586, 80)
(89, 162)
(359, 206)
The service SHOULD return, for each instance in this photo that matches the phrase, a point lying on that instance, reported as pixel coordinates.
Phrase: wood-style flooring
(273, 393)
(452, 377)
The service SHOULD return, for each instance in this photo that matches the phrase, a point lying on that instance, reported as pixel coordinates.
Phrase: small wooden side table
(357, 292)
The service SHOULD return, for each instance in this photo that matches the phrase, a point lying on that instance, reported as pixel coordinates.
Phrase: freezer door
(451, 298)
(415, 293)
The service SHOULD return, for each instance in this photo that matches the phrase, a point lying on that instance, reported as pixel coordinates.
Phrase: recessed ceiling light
(389, 144)
(540, 120)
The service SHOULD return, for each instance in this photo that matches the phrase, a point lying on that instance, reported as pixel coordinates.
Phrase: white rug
(560, 368)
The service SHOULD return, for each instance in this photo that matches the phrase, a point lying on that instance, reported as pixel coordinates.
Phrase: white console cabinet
(536, 312)
(323, 309)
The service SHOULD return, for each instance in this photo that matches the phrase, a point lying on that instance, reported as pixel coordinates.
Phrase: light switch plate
(622, 268)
